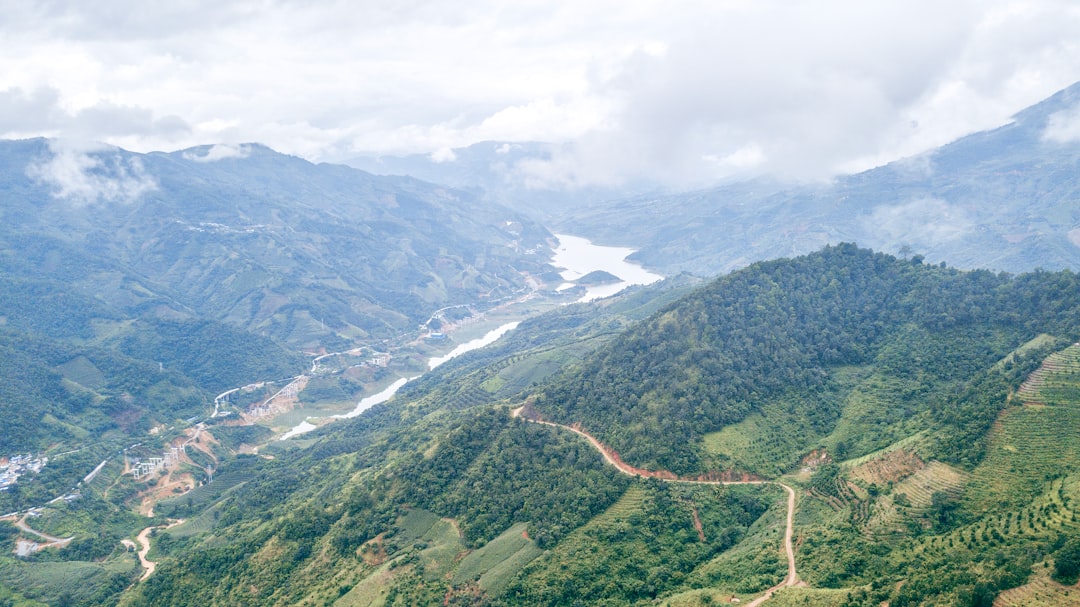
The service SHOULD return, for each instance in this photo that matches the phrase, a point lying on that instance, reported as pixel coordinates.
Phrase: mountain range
(1004, 199)
(818, 423)
(273, 244)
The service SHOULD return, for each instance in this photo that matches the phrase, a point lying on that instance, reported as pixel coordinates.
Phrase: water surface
(578, 257)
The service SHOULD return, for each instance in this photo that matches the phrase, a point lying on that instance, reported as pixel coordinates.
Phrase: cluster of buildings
(11, 468)
(142, 469)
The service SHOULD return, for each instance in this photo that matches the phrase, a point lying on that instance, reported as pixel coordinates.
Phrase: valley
(264, 381)
(746, 532)
(820, 518)
(266, 413)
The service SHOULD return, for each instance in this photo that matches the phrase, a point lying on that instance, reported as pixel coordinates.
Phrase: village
(11, 468)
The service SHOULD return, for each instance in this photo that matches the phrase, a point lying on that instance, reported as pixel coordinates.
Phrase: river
(578, 257)
(489, 338)
(389, 392)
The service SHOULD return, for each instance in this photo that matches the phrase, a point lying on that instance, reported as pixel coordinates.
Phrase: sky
(686, 93)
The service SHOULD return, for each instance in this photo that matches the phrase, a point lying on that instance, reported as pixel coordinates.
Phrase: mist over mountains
(270, 243)
(1004, 199)
(841, 427)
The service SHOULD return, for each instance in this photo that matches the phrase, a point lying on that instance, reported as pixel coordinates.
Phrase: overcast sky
(684, 91)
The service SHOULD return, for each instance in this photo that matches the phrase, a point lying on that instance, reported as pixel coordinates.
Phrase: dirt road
(611, 457)
(144, 547)
(26, 547)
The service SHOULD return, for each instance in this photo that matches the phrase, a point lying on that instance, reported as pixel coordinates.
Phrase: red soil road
(611, 457)
(144, 543)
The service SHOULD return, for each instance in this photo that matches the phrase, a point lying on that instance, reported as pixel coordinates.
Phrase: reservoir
(578, 257)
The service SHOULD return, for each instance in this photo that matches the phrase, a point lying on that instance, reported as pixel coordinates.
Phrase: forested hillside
(924, 416)
(78, 371)
(791, 339)
(308, 254)
(134, 288)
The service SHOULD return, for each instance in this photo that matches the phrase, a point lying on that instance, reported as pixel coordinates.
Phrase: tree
(1067, 562)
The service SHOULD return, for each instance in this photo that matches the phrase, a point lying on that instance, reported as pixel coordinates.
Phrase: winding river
(577, 257)
(389, 392)
(489, 338)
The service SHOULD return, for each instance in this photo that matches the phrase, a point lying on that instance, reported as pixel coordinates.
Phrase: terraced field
(202, 523)
(1056, 382)
(892, 464)
(761, 440)
(912, 497)
(498, 560)
(1029, 446)
(79, 580)
(1040, 592)
(203, 496)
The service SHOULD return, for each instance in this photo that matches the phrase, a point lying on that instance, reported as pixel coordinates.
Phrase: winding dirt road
(26, 547)
(144, 547)
(611, 457)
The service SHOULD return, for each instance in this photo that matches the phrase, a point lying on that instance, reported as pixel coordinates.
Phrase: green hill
(922, 414)
(844, 348)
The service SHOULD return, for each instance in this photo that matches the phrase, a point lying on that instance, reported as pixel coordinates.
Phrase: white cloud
(1064, 126)
(804, 88)
(219, 152)
(745, 158)
(444, 154)
(87, 173)
(922, 223)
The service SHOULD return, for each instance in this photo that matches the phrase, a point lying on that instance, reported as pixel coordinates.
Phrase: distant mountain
(136, 287)
(503, 172)
(275, 245)
(1005, 199)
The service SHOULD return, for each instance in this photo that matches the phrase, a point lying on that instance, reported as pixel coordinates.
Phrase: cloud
(1063, 126)
(921, 223)
(714, 90)
(219, 152)
(41, 112)
(88, 173)
(834, 87)
(444, 154)
(29, 112)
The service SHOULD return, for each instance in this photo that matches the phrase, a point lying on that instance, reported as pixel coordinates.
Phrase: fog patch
(922, 222)
(87, 172)
(1063, 126)
(220, 151)
(443, 154)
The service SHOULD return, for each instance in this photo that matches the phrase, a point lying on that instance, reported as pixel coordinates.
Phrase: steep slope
(1003, 199)
(77, 371)
(792, 344)
(887, 391)
(134, 288)
(308, 254)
